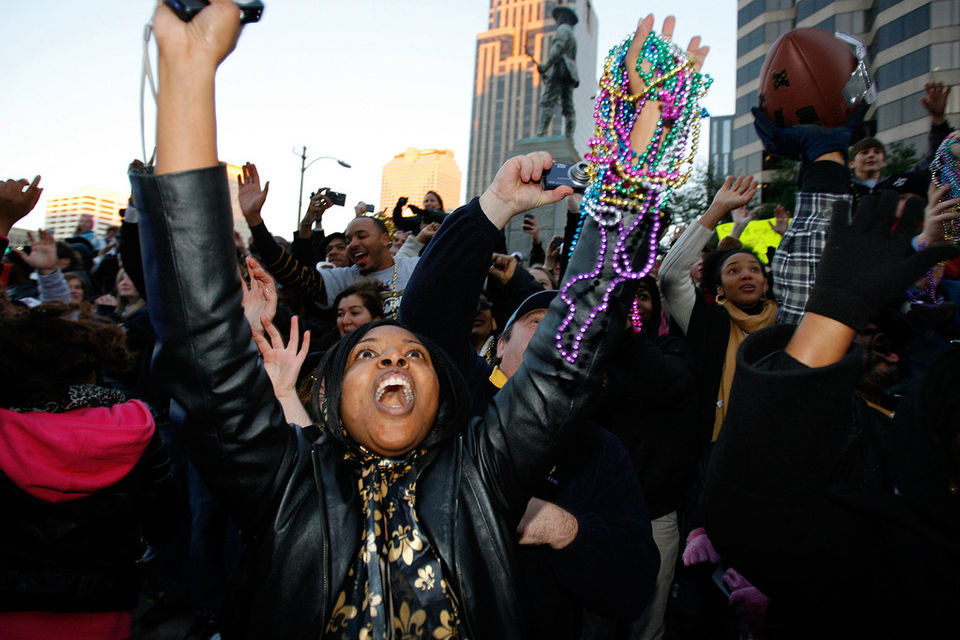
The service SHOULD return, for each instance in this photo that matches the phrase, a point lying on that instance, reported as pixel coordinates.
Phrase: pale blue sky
(361, 80)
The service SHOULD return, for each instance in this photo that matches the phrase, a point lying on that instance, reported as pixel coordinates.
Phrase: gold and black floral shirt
(395, 588)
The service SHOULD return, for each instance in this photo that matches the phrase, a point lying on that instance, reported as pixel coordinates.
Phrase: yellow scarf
(741, 325)
(498, 378)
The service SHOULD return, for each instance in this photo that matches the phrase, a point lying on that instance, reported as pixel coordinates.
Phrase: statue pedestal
(552, 218)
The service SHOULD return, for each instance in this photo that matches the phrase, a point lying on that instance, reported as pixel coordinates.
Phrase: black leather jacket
(295, 500)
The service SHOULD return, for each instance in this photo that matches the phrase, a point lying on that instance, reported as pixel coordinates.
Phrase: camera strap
(146, 75)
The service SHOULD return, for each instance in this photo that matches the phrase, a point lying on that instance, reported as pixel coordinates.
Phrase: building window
(852, 22)
(749, 12)
(774, 30)
(900, 70)
(749, 72)
(744, 103)
(750, 41)
(904, 27)
(807, 8)
(826, 25)
(945, 13)
(945, 55)
(743, 136)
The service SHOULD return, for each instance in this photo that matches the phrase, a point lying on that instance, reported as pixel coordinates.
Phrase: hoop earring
(720, 298)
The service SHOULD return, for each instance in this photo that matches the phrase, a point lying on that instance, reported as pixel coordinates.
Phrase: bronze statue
(559, 73)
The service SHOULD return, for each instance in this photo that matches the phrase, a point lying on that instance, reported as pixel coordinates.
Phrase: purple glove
(699, 549)
(748, 601)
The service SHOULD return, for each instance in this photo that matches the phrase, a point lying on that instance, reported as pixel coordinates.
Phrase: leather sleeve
(548, 397)
(447, 282)
(205, 358)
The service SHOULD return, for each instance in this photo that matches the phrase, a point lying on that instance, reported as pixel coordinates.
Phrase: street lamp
(304, 165)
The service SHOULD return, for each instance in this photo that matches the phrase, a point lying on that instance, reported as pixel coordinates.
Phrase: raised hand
(782, 217)
(516, 188)
(319, 203)
(427, 232)
(742, 217)
(503, 267)
(188, 56)
(206, 40)
(934, 100)
(807, 142)
(937, 212)
(17, 199)
(282, 362)
(43, 253)
(531, 228)
(731, 195)
(250, 195)
(259, 297)
(646, 121)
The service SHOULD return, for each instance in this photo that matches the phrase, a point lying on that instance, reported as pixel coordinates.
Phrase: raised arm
(551, 392)
(285, 267)
(206, 359)
(17, 199)
(449, 277)
(678, 290)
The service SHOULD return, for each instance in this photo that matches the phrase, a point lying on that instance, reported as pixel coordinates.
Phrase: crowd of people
(401, 430)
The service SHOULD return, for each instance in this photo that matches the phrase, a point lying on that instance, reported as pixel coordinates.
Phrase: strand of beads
(628, 189)
(945, 169)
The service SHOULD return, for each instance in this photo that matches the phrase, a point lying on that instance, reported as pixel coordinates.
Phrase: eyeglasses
(484, 305)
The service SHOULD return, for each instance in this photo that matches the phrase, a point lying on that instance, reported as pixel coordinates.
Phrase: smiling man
(368, 246)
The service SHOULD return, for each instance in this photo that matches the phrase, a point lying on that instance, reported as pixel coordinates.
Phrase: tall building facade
(507, 85)
(910, 42)
(720, 162)
(416, 171)
(63, 212)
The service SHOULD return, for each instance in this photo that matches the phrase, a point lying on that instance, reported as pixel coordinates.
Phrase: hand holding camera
(319, 202)
(250, 10)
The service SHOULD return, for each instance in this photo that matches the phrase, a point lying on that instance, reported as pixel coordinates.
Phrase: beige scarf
(741, 325)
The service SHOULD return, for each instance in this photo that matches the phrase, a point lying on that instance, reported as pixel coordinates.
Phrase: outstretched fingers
(644, 28)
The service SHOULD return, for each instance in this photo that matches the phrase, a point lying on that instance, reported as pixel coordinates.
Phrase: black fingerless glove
(865, 266)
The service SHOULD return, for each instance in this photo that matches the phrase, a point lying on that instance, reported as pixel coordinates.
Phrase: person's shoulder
(407, 263)
(339, 278)
(349, 273)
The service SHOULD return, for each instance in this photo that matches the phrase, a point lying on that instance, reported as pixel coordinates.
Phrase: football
(802, 79)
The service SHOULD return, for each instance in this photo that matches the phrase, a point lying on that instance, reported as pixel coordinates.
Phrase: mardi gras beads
(629, 188)
(945, 169)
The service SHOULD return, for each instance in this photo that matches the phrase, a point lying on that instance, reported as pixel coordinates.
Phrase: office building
(63, 212)
(416, 171)
(507, 85)
(910, 42)
(720, 160)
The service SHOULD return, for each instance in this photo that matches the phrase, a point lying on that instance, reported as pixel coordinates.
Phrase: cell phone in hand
(369, 208)
(250, 10)
(718, 580)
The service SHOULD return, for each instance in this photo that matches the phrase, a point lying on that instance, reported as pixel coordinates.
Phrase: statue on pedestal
(559, 73)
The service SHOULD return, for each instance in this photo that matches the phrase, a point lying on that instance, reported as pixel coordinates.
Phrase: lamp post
(304, 165)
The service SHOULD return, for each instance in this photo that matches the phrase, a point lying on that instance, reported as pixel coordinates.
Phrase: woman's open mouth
(394, 393)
